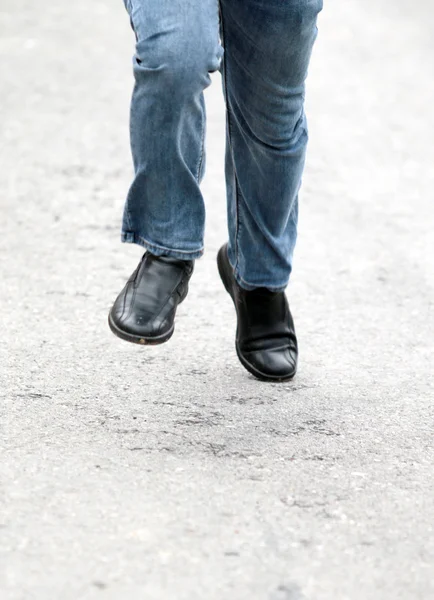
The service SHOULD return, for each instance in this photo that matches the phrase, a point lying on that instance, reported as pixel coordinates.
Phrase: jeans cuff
(130, 237)
(249, 286)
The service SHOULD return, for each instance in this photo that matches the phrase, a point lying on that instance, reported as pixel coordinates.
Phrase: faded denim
(262, 49)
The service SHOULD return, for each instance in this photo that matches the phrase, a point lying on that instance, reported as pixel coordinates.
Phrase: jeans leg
(177, 46)
(268, 44)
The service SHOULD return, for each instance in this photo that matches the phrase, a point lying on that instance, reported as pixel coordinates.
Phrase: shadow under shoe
(144, 312)
(266, 342)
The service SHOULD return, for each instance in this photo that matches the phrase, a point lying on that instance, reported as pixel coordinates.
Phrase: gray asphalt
(169, 472)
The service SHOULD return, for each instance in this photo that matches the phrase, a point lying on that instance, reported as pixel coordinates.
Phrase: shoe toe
(279, 363)
(139, 325)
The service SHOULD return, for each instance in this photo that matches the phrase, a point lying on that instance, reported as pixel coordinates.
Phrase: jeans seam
(228, 111)
(202, 140)
(129, 8)
(128, 214)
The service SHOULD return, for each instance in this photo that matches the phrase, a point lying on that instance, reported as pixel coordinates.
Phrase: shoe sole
(249, 367)
(139, 339)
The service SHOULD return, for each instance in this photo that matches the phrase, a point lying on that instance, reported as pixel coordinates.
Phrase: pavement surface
(169, 472)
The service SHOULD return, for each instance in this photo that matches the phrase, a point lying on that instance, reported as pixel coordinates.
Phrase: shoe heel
(221, 268)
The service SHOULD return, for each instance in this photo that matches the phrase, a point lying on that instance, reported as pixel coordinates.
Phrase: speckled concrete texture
(169, 472)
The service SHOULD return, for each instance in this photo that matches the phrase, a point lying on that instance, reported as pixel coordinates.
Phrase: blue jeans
(262, 49)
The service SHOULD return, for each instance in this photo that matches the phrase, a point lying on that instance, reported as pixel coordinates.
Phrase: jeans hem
(130, 237)
(250, 287)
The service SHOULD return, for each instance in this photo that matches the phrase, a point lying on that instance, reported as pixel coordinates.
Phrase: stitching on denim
(202, 151)
(151, 244)
(277, 288)
(128, 213)
(228, 112)
(130, 9)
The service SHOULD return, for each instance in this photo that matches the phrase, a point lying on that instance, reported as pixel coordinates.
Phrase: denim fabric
(262, 49)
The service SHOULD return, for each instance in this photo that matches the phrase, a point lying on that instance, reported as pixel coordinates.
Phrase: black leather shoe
(144, 312)
(266, 343)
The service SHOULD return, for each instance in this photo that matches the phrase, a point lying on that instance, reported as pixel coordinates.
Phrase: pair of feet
(144, 313)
